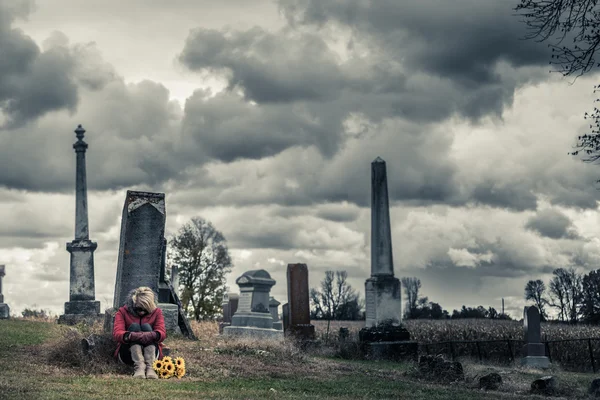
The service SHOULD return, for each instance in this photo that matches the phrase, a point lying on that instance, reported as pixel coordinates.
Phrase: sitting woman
(139, 330)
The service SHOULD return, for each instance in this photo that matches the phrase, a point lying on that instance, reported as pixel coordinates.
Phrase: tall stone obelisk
(382, 289)
(82, 303)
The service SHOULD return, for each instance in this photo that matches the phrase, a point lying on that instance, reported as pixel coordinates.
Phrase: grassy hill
(43, 360)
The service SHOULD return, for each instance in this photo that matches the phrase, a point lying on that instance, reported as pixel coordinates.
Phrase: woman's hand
(148, 338)
(135, 336)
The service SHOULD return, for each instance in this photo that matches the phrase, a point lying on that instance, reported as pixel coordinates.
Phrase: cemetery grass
(43, 360)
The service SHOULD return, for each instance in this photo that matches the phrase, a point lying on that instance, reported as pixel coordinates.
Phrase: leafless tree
(566, 291)
(574, 26)
(535, 290)
(411, 290)
(203, 258)
(336, 299)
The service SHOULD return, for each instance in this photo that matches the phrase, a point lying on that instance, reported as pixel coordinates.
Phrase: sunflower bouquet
(168, 367)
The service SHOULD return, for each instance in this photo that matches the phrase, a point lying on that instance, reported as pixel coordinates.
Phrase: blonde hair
(144, 297)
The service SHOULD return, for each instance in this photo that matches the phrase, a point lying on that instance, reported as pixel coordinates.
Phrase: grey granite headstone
(142, 258)
(4, 308)
(382, 289)
(82, 304)
(141, 245)
(534, 352)
(253, 317)
(274, 308)
(226, 313)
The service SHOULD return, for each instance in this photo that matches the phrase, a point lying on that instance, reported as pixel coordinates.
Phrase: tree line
(574, 296)
(336, 299)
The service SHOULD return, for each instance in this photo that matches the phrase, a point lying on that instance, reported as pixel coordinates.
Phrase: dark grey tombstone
(234, 299)
(285, 314)
(141, 247)
(299, 302)
(142, 258)
(534, 352)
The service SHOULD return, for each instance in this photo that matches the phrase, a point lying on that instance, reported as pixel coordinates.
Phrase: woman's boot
(149, 357)
(138, 361)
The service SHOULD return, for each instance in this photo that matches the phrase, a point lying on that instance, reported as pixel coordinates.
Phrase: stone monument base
(382, 299)
(535, 362)
(302, 331)
(89, 307)
(74, 319)
(253, 319)
(278, 325)
(387, 341)
(252, 332)
(4, 311)
(396, 351)
(386, 331)
(223, 325)
(534, 350)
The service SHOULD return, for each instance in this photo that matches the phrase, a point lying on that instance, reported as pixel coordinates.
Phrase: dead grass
(53, 365)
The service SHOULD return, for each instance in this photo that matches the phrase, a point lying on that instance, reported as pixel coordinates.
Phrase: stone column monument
(534, 351)
(82, 304)
(382, 289)
(383, 336)
(253, 317)
(4, 308)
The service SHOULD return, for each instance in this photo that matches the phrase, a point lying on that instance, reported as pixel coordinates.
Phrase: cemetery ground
(44, 360)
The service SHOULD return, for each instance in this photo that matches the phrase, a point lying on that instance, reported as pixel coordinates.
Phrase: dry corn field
(572, 355)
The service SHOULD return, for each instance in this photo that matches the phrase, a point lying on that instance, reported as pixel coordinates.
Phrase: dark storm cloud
(32, 82)
(270, 68)
(462, 43)
(552, 224)
(227, 128)
(514, 195)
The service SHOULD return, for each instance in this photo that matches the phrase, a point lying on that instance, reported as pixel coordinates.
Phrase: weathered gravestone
(142, 259)
(274, 309)
(253, 317)
(82, 304)
(299, 302)
(228, 307)
(4, 308)
(383, 335)
(285, 316)
(534, 351)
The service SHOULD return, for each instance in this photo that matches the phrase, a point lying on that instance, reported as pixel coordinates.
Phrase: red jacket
(124, 318)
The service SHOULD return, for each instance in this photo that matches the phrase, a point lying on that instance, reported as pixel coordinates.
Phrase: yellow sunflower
(180, 362)
(169, 367)
(180, 372)
(164, 374)
(157, 365)
(167, 359)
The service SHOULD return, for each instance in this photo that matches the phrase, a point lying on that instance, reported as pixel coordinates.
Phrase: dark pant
(124, 353)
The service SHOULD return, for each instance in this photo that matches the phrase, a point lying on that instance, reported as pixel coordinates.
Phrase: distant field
(571, 355)
(431, 331)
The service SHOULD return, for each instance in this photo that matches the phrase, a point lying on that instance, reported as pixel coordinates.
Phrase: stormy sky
(263, 117)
